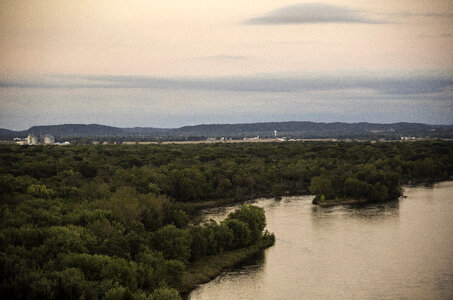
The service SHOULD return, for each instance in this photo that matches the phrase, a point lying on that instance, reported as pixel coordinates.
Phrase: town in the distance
(226, 133)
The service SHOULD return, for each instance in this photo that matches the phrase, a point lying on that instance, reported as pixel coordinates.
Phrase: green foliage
(179, 218)
(66, 239)
(356, 188)
(88, 222)
(322, 185)
(70, 284)
(165, 294)
(187, 184)
(153, 212)
(7, 182)
(97, 267)
(253, 217)
(224, 237)
(87, 170)
(122, 293)
(40, 191)
(241, 232)
(125, 205)
(173, 242)
(153, 268)
(202, 239)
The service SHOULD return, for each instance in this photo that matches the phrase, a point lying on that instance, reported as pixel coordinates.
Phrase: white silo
(32, 139)
(49, 139)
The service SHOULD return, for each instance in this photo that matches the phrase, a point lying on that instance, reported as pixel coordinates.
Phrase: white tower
(275, 133)
(32, 139)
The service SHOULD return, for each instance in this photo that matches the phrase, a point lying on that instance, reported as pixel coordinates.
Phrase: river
(401, 249)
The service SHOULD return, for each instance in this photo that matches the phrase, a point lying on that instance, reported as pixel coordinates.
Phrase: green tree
(254, 217)
(40, 191)
(321, 185)
(241, 233)
(173, 242)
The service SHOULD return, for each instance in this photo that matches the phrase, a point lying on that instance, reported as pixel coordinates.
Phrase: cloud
(309, 13)
(168, 102)
(396, 85)
(424, 15)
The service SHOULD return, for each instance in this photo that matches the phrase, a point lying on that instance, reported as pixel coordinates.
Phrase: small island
(365, 184)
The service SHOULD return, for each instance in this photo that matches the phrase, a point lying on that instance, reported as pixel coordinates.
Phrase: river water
(395, 250)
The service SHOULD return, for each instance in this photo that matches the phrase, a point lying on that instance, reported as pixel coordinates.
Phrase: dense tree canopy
(117, 221)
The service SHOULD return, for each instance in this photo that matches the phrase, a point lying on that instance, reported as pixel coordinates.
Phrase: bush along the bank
(240, 229)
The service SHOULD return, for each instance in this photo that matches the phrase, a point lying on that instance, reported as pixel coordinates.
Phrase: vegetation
(115, 221)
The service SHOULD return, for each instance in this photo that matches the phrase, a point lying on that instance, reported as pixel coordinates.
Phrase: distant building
(20, 141)
(49, 139)
(32, 139)
(252, 138)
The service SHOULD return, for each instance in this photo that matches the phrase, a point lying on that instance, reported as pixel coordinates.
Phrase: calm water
(397, 250)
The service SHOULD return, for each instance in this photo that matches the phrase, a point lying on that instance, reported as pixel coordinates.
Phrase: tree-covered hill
(264, 130)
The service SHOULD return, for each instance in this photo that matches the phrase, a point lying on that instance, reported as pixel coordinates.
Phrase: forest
(121, 221)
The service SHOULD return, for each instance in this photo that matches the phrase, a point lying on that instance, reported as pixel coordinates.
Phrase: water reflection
(397, 249)
(363, 210)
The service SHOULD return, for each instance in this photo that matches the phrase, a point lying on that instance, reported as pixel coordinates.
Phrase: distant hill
(264, 130)
(314, 130)
(7, 132)
(83, 131)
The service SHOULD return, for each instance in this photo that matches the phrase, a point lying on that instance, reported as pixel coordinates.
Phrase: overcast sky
(183, 62)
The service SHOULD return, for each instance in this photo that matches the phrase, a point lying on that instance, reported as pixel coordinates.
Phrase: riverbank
(340, 202)
(225, 202)
(209, 267)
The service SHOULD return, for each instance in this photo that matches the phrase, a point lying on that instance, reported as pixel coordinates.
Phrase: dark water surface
(396, 250)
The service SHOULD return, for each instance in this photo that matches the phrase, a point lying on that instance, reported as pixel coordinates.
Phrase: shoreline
(226, 202)
(364, 201)
(208, 268)
(341, 202)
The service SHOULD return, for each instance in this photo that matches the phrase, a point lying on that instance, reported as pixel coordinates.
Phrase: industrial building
(32, 139)
(45, 139)
(49, 139)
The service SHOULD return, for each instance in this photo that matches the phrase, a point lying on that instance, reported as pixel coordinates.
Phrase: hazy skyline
(173, 63)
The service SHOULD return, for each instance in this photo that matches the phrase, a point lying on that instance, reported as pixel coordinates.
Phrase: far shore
(226, 202)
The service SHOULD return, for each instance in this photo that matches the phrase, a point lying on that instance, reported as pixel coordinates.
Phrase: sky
(185, 62)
